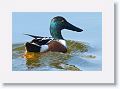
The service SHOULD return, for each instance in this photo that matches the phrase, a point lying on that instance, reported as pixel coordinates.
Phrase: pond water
(87, 57)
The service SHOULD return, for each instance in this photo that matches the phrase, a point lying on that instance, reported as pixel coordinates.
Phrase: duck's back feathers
(40, 41)
(37, 45)
(43, 44)
(38, 37)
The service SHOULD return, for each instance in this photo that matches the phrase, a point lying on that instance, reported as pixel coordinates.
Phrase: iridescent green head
(57, 24)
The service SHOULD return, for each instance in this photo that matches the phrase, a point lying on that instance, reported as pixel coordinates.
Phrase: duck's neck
(55, 32)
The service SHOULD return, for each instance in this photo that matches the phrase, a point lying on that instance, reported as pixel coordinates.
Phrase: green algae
(56, 60)
(89, 56)
(72, 46)
(77, 46)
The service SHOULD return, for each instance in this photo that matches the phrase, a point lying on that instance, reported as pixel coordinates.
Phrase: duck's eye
(62, 20)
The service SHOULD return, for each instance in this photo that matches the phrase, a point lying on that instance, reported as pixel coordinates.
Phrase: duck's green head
(57, 24)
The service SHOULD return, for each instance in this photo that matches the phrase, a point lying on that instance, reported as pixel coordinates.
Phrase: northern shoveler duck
(56, 43)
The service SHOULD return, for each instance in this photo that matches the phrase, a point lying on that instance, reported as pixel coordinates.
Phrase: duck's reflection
(51, 59)
(32, 59)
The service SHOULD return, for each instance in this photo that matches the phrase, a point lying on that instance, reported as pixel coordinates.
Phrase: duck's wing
(39, 40)
(33, 36)
(40, 37)
(38, 44)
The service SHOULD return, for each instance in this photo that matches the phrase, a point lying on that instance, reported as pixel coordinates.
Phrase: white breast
(63, 42)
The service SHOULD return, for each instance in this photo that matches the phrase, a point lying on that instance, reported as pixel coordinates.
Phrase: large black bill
(72, 27)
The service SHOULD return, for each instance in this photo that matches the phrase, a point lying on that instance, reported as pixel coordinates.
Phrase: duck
(56, 43)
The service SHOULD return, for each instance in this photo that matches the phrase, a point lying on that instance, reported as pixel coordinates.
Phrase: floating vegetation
(76, 46)
(89, 56)
(56, 60)
(72, 46)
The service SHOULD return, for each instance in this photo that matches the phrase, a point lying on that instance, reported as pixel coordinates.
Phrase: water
(38, 24)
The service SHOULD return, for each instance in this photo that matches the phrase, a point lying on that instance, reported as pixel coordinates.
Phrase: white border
(104, 6)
